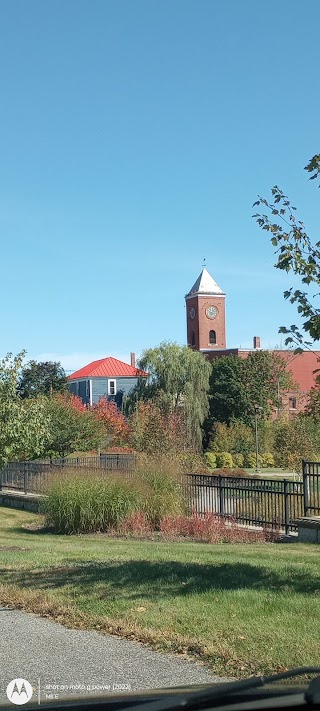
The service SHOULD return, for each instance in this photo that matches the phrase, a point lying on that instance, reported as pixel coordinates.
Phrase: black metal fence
(311, 487)
(271, 503)
(253, 502)
(31, 476)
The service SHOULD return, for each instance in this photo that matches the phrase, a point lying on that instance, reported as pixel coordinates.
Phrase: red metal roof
(107, 368)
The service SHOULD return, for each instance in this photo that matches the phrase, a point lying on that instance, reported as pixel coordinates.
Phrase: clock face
(212, 312)
(192, 313)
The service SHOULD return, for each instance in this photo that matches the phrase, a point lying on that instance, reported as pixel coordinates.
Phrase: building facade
(108, 377)
(206, 332)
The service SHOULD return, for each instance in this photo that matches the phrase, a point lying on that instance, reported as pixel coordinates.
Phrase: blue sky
(135, 136)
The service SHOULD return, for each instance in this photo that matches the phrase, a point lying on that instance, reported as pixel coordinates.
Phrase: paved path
(45, 653)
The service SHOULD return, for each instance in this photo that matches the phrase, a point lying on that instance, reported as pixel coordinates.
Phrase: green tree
(42, 379)
(264, 377)
(25, 426)
(238, 385)
(228, 397)
(294, 440)
(72, 428)
(313, 404)
(179, 380)
(297, 254)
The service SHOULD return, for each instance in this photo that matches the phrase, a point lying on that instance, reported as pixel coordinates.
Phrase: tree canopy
(25, 425)
(179, 380)
(238, 385)
(73, 426)
(42, 379)
(296, 253)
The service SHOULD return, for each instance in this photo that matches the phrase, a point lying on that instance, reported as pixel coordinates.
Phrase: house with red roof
(107, 377)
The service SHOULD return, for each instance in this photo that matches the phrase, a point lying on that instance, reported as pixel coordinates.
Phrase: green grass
(242, 609)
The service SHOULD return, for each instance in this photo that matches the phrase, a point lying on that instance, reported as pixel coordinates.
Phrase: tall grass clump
(78, 503)
(160, 481)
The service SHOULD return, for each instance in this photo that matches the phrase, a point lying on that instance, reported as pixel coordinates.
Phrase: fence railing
(256, 502)
(31, 476)
(311, 487)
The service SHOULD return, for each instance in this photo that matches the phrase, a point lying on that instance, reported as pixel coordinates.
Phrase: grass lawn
(242, 609)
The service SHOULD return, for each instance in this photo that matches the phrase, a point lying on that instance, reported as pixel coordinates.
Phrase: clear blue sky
(135, 136)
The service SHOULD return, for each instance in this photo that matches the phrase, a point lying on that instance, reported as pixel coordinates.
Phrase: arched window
(212, 338)
(193, 339)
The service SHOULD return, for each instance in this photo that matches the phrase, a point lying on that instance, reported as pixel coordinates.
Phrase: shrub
(224, 459)
(136, 523)
(190, 463)
(236, 438)
(251, 460)
(266, 459)
(226, 471)
(211, 460)
(211, 528)
(85, 504)
(238, 460)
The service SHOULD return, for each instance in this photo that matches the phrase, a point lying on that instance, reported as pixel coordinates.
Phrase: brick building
(206, 332)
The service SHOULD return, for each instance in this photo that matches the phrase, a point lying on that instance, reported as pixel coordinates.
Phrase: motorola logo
(19, 691)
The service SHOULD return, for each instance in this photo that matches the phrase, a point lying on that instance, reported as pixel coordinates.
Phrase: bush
(136, 523)
(211, 528)
(238, 460)
(190, 463)
(224, 459)
(236, 438)
(226, 471)
(211, 460)
(266, 459)
(85, 504)
(251, 460)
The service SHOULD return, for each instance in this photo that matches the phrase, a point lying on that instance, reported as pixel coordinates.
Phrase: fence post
(305, 487)
(286, 506)
(221, 496)
(25, 477)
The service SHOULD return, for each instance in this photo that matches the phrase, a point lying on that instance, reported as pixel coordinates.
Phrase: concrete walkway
(59, 661)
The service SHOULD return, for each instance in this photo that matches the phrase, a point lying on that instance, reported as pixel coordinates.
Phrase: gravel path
(74, 661)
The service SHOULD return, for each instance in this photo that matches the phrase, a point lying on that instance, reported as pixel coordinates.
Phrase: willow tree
(179, 380)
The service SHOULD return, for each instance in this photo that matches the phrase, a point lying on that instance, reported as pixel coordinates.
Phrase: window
(212, 338)
(193, 339)
(293, 403)
(112, 387)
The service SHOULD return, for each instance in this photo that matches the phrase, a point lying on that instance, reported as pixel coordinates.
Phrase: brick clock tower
(206, 315)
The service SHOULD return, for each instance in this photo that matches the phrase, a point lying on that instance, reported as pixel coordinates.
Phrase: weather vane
(204, 262)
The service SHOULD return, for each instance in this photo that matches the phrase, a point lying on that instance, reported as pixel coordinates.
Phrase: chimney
(133, 359)
(256, 341)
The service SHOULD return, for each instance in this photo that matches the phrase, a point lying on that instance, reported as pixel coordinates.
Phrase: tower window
(212, 338)
(193, 339)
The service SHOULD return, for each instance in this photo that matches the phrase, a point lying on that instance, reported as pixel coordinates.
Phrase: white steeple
(205, 284)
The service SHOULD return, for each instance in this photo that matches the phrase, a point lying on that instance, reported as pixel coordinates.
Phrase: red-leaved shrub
(212, 528)
(136, 523)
